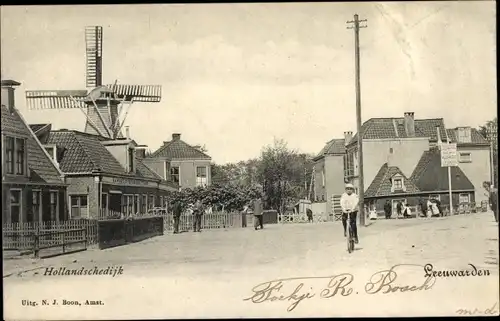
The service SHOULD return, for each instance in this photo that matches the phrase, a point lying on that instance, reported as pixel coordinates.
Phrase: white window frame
(56, 192)
(461, 157)
(178, 174)
(323, 178)
(39, 214)
(200, 180)
(461, 195)
(104, 213)
(464, 135)
(79, 205)
(144, 203)
(53, 153)
(20, 204)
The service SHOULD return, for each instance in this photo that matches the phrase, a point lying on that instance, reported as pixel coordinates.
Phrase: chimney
(8, 94)
(439, 135)
(410, 124)
(176, 136)
(127, 132)
(347, 138)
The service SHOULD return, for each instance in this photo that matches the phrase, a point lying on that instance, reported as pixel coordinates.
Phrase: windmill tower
(103, 106)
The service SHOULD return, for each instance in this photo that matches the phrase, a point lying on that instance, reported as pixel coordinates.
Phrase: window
(9, 152)
(464, 157)
(104, 205)
(391, 150)
(79, 206)
(144, 204)
(323, 177)
(35, 213)
(174, 174)
(464, 198)
(136, 203)
(20, 163)
(464, 135)
(201, 176)
(15, 154)
(15, 206)
(398, 183)
(151, 202)
(53, 205)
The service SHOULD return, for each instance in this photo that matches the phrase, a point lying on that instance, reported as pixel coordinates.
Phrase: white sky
(235, 76)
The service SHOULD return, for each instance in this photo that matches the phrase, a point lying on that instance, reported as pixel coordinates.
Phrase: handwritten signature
(295, 290)
(490, 311)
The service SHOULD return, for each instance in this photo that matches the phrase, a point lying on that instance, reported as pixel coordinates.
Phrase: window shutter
(63, 209)
(30, 215)
(45, 205)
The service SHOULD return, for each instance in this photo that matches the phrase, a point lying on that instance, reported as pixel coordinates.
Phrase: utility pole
(361, 188)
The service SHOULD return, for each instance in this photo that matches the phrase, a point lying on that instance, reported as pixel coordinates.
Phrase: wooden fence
(27, 237)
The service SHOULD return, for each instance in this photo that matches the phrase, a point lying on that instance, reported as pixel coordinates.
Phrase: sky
(236, 76)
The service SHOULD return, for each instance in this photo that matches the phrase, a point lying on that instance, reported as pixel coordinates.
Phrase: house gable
(384, 183)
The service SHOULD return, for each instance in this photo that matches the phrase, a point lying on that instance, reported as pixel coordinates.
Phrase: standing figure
(197, 212)
(492, 194)
(399, 208)
(423, 207)
(309, 214)
(258, 212)
(177, 211)
(387, 209)
(349, 204)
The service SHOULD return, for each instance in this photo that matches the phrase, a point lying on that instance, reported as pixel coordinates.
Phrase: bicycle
(350, 234)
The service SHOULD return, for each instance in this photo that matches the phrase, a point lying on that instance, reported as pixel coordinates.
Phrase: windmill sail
(93, 43)
(139, 93)
(55, 99)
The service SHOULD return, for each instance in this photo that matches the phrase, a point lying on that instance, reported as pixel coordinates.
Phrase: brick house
(33, 188)
(107, 178)
(182, 163)
(328, 168)
(474, 157)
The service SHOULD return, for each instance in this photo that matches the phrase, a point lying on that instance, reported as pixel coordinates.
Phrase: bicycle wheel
(350, 241)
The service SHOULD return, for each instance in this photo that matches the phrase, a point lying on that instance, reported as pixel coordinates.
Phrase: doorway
(395, 204)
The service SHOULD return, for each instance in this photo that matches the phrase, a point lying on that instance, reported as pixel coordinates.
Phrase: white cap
(349, 185)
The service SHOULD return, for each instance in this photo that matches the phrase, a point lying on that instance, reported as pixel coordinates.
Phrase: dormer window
(398, 184)
(15, 156)
(464, 135)
(52, 151)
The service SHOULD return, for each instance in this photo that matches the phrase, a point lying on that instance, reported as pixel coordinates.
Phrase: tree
(283, 173)
(490, 132)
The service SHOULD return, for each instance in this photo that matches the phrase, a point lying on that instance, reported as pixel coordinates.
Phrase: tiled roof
(382, 184)
(42, 169)
(380, 128)
(430, 176)
(84, 153)
(476, 137)
(37, 127)
(335, 146)
(178, 149)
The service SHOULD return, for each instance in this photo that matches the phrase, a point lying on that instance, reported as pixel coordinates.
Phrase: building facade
(33, 188)
(107, 178)
(181, 163)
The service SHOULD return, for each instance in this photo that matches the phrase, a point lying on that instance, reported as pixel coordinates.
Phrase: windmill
(103, 106)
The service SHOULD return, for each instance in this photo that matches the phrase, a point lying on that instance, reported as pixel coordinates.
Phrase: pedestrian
(197, 212)
(247, 210)
(258, 212)
(438, 206)
(349, 202)
(387, 209)
(177, 211)
(309, 214)
(399, 208)
(492, 194)
(423, 207)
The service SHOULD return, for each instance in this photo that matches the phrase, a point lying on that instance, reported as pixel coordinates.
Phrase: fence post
(63, 241)
(37, 241)
(85, 236)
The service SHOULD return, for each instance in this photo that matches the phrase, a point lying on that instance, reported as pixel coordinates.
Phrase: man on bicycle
(349, 204)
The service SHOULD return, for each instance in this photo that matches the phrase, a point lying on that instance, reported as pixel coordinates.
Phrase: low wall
(116, 232)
